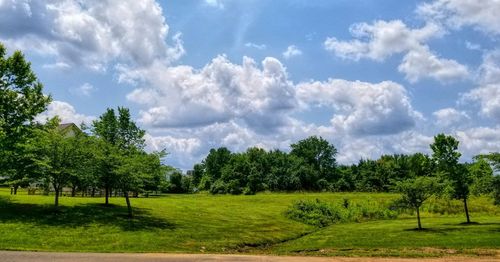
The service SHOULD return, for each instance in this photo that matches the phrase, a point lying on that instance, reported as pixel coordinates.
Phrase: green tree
(215, 161)
(415, 191)
(494, 160)
(57, 157)
(319, 154)
(118, 132)
(21, 99)
(482, 177)
(445, 155)
(135, 168)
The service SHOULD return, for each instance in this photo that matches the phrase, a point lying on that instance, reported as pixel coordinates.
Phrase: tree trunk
(107, 195)
(15, 189)
(466, 210)
(73, 191)
(418, 219)
(129, 207)
(93, 192)
(56, 201)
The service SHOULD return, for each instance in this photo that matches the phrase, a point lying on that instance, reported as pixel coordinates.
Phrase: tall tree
(319, 154)
(445, 155)
(118, 132)
(21, 99)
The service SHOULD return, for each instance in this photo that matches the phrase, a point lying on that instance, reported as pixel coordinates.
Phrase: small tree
(57, 157)
(134, 170)
(415, 191)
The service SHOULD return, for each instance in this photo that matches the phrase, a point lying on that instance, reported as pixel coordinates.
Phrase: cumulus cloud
(291, 51)
(66, 112)
(421, 63)
(487, 93)
(91, 33)
(382, 39)
(449, 117)
(362, 108)
(182, 96)
(479, 140)
(481, 15)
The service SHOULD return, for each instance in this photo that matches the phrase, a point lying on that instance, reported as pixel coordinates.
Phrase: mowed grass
(230, 224)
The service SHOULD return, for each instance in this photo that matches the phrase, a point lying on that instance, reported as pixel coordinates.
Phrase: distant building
(69, 129)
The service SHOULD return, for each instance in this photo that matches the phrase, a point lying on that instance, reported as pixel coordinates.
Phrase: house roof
(66, 127)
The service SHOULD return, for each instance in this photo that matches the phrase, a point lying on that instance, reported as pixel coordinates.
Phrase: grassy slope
(204, 223)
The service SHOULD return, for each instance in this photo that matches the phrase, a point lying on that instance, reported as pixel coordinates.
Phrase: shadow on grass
(80, 215)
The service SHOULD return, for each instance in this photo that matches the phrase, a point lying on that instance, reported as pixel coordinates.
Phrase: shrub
(218, 187)
(319, 213)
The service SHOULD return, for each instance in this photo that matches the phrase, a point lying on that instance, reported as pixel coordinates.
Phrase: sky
(371, 77)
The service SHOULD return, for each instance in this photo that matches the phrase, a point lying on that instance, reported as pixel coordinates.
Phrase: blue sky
(372, 77)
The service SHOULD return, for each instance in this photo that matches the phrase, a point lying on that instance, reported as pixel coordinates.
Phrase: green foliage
(482, 177)
(445, 153)
(414, 192)
(321, 214)
(320, 155)
(21, 99)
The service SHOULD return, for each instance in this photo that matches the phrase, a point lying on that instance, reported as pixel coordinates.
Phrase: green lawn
(230, 224)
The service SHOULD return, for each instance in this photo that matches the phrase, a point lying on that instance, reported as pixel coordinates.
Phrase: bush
(319, 213)
(218, 187)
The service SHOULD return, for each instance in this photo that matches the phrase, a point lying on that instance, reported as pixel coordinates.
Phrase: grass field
(231, 224)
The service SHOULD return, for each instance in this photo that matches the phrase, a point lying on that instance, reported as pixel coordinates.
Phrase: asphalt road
(16, 256)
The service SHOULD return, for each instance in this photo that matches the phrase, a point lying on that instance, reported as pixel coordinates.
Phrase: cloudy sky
(372, 77)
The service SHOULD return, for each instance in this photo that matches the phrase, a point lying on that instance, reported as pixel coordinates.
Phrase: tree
(494, 160)
(119, 133)
(57, 157)
(319, 154)
(445, 155)
(134, 170)
(21, 99)
(482, 177)
(415, 191)
(215, 161)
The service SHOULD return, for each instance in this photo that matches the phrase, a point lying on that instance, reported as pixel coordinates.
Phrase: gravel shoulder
(15, 256)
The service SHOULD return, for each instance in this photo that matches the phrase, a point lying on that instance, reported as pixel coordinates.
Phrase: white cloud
(362, 108)
(66, 113)
(487, 93)
(381, 39)
(420, 63)
(182, 96)
(91, 33)
(479, 140)
(481, 15)
(292, 51)
(84, 90)
(256, 46)
(449, 117)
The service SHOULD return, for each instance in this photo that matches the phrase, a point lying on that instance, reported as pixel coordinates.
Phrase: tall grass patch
(321, 213)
